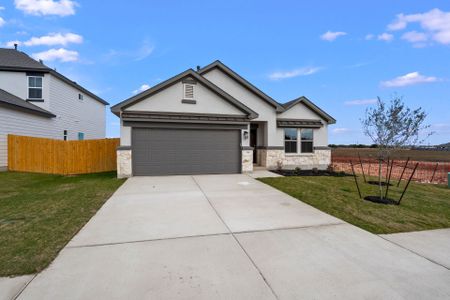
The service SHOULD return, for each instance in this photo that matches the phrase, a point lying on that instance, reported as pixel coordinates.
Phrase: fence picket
(41, 155)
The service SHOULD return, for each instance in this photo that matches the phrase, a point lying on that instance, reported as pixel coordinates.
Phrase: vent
(188, 91)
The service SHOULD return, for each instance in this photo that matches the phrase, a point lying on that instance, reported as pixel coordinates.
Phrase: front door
(253, 140)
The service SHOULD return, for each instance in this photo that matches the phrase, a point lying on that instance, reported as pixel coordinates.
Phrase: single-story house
(214, 121)
(38, 101)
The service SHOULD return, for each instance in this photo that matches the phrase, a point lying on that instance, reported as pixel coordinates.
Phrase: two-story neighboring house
(35, 100)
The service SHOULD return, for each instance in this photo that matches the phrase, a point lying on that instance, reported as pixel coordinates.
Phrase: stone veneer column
(124, 166)
(247, 160)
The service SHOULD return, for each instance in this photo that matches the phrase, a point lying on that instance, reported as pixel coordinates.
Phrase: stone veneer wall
(273, 159)
(247, 161)
(124, 166)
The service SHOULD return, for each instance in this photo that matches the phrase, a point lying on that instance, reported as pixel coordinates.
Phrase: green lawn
(40, 213)
(424, 206)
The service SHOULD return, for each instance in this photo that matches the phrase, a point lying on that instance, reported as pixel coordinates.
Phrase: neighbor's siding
(19, 123)
(73, 115)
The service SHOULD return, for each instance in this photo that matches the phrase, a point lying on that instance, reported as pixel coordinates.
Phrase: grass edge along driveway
(40, 213)
(424, 207)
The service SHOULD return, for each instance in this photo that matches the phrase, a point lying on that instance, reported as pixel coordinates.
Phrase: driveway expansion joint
(237, 241)
(414, 252)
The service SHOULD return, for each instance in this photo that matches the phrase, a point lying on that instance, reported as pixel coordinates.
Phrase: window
(80, 136)
(80, 97)
(290, 140)
(65, 135)
(188, 91)
(307, 140)
(34, 87)
(293, 135)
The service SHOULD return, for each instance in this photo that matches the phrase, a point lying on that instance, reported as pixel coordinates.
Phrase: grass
(40, 213)
(424, 206)
(418, 155)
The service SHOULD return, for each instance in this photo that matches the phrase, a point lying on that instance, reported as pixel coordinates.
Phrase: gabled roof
(13, 102)
(310, 105)
(219, 65)
(14, 60)
(116, 109)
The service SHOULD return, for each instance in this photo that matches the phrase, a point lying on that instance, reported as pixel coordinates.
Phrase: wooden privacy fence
(40, 155)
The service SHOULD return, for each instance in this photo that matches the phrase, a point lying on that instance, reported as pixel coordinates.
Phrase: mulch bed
(377, 199)
(309, 173)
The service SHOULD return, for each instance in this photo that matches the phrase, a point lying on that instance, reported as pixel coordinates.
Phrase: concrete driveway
(228, 237)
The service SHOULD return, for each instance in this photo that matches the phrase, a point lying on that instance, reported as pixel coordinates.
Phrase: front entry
(254, 140)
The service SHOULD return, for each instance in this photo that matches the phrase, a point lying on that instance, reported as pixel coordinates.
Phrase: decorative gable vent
(188, 91)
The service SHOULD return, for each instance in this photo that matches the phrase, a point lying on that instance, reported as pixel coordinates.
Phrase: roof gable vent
(188, 91)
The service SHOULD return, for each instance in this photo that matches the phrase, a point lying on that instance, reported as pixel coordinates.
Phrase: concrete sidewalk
(228, 237)
(431, 244)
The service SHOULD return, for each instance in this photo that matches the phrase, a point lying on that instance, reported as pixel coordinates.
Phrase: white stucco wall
(300, 111)
(265, 111)
(169, 100)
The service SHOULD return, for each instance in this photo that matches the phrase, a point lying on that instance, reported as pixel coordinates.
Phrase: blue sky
(339, 54)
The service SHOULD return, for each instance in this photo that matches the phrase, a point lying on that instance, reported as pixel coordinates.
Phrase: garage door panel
(185, 151)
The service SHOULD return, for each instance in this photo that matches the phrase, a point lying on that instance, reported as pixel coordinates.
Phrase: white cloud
(46, 7)
(294, 73)
(2, 8)
(409, 79)
(369, 37)
(60, 54)
(2, 21)
(51, 40)
(361, 102)
(141, 88)
(144, 51)
(341, 130)
(387, 37)
(414, 36)
(435, 22)
(332, 35)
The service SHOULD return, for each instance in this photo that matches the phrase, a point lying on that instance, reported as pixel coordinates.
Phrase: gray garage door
(185, 151)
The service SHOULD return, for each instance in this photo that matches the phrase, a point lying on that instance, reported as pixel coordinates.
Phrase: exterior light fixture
(245, 135)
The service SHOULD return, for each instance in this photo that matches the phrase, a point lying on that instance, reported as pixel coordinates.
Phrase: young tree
(392, 126)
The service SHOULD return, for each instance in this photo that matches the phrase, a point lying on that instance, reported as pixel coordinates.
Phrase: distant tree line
(352, 146)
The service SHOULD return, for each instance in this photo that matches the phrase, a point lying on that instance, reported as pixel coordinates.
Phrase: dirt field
(416, 155)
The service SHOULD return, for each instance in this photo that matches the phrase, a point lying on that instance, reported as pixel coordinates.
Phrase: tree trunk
(379, 179)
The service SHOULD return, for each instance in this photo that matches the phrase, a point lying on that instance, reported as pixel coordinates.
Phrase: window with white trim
(80, 97)
(65, 135)
(188, 91)
(34, 87)
(298, 140)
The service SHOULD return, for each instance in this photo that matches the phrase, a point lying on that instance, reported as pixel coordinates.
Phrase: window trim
(299, 142)
(36, 88)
